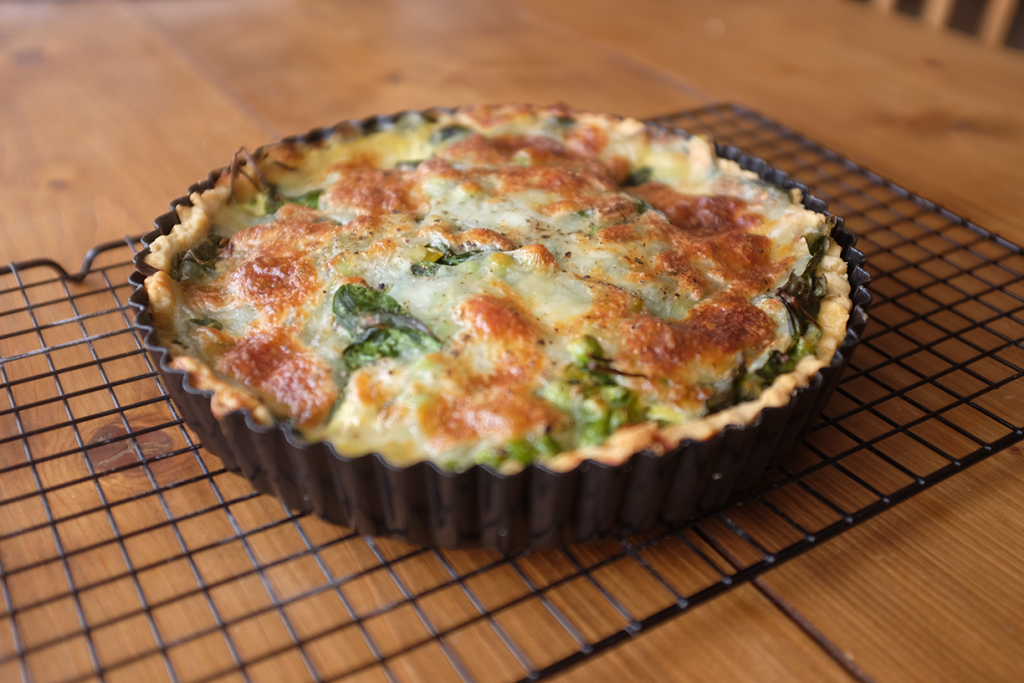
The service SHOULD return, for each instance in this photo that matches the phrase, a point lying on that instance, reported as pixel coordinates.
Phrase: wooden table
(108, 109)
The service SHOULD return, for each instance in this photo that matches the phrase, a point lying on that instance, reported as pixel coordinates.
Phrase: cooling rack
(127, 552)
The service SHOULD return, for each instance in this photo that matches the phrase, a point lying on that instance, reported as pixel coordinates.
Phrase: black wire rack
(127, 552)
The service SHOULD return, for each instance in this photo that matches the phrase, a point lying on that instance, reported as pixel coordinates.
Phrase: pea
(594, 433)
(558, 394)
(576, 376)
(592, 409)
(488, 456)
(449, 134)
(521, 450)
(500, 264)
(196, 272)
(615, 395)
(618, 417)
(803, 348)
(584, 349)
(545, 445)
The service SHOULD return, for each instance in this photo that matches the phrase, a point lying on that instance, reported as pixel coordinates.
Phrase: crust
(165, 296)
(164, 299)
(193, 226)
(226, 398)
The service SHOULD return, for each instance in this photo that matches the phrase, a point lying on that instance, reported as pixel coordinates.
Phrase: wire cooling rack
(127, 552)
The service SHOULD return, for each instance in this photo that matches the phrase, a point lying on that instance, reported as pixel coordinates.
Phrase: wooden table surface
(110, 108)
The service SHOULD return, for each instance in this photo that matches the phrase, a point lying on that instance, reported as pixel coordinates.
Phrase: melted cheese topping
(565, 226)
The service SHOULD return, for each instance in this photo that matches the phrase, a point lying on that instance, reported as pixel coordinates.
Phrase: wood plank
(738, 636)
(917, 105)
(101, 125)
(936, 12)
(309, 63)
(996, 20)
(929, 591)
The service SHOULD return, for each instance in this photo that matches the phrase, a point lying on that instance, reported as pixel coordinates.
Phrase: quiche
(497, 286)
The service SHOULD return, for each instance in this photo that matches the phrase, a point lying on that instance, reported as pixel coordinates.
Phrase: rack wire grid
(127, 552)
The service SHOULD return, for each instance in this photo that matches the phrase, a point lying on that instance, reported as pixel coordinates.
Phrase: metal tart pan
(479, 508)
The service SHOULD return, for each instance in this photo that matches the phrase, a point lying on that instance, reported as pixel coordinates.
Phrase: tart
(497, 286)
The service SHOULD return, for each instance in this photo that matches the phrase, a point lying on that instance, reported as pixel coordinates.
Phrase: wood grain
(914, 104)
(936, 12)
(739, 636)
(996, 20)
(930, 590)
(101, 124)
(318, 62)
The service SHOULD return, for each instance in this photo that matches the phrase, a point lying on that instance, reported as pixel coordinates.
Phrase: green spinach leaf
(425, 268)
(390, 342)
(310, 199)
(378, 327)
(207, 322)
(447, 133)
(429, 267)
(727, 392)
(450, 258)
(777, 364)
(275, 200)
(639, 177)
(802, 293)
(742, 385)
(801, 303)
(352, 300)
(199, 263)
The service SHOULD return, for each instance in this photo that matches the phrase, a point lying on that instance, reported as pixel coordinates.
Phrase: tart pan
(479, 508)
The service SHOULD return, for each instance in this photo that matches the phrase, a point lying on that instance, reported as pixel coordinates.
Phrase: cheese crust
(498, 285)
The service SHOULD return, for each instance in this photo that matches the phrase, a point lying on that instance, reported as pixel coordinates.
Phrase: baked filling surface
(498, 285)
